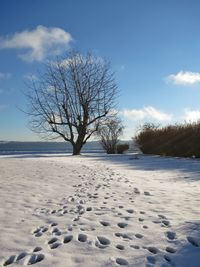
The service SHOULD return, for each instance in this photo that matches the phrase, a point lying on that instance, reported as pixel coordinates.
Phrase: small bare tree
(109, 134)
(72, 98)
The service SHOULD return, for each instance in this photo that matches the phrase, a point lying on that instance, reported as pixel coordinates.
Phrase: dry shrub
(180, 140)
(121, 148)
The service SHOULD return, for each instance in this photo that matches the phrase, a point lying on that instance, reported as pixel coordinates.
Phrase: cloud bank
(186, 78)
(191, 115)
(146, 113)
(37, 44)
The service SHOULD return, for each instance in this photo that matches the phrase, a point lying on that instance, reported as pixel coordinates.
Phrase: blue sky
(153, 45)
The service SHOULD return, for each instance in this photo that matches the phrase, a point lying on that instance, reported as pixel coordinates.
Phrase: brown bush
(181, 140)
(121, 148)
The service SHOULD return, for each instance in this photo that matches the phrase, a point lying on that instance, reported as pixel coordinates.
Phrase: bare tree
(109, 134)
(72, 98)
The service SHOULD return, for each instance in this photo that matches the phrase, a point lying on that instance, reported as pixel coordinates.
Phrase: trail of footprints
(76, 205)
(32, 258)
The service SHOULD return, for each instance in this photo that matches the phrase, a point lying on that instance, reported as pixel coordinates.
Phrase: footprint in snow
(120, 247)
(130, 211)
(35, 258)
(10, 260)
(82, 238)
(40, 230)
(87, 228)
(53, 211)
(162, 216)
(146, 193)
(55, 245)
(53, 224)
(124, 236)
(102, 242)
(67, 239)
(52, 240)
(171, 235)
(122, 225)
(142, 212)
(36, 249)
(126, 218)
(121, 261)
(104, 223)
(136, 190)
(138, 236)
(165, 223)
(32, 260)
(168, 259)
(56, 231)
(153, 250)
(38, 234)
(64, 211)
(170, 250)
(156, 221)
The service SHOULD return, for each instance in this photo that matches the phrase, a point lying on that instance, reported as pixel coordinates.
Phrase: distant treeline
(181, 140)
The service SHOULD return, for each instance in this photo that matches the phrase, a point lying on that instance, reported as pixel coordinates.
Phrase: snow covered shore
(99, 211)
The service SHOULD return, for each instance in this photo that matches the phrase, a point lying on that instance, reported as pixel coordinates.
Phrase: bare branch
(72, 98)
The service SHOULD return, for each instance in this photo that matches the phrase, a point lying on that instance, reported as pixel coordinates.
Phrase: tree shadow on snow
(189, 167)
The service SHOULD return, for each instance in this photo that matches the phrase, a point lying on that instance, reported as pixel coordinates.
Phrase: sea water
(10, 148)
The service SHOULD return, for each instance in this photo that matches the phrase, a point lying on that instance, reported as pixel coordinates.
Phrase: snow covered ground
(99, 211)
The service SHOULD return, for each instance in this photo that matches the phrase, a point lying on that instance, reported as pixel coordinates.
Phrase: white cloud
(146, 113)
(186, 78)
(39, 43)
(4, 75)
(191, 115)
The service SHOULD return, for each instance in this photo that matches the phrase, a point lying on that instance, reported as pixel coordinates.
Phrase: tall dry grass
(181, 140)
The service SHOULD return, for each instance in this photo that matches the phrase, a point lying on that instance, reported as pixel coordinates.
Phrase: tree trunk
(77, 149)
